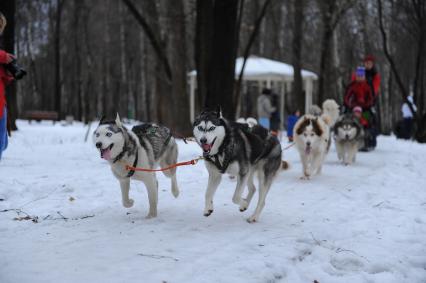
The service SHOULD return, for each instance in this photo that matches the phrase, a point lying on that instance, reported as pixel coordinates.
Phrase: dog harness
(226, 161)
(131, 172)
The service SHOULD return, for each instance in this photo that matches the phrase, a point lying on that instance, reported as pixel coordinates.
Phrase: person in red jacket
(358, 92)
(5, 79)
(372, 76)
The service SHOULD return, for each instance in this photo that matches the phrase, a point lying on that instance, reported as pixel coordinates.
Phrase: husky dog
(236, 149)
(312, 137)
(349, 137)
(146, 146)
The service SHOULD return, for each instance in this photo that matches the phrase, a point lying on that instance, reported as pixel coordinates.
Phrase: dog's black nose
(203, 140)
(347, 136)
(98, 144)
(308, 143)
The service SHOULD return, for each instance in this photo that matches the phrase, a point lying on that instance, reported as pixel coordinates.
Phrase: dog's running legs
(241, 184)
(351, 154)
(251, 190)
(125, 187)
(317, 163)
(306, 166)
(172, 175)
(151, 184)
(340, 152)
(264, 185)
(214, 181)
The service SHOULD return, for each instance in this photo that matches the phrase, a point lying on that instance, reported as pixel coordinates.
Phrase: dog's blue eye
(200, 128)
(212, 128)
(97, 135)
(108, 134)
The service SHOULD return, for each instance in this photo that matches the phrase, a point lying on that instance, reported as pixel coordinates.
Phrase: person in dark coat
(275, 116)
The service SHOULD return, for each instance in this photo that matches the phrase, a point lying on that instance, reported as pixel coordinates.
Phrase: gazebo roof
(262, 68)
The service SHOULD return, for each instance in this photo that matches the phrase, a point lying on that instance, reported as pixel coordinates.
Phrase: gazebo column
(308, 93)
(192, 98)
(282, 103)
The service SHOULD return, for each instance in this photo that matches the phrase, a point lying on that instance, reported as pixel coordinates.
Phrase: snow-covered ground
(364, 223)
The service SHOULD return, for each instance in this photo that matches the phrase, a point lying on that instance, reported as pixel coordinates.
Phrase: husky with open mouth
(146, 146)
(312, 136)
(239, 150)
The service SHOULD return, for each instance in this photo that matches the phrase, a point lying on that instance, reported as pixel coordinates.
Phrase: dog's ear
(102, 119)
(219, 112)
(118, 121)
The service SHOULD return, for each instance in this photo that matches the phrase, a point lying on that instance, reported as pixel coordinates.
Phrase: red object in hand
(5, 78)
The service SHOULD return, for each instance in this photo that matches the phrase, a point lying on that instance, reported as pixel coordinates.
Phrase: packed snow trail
(360, 223)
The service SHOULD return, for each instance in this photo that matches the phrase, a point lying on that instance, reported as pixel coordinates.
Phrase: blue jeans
(3, 132)
(264, 122)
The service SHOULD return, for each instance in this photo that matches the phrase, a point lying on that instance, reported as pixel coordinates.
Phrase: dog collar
(131, 172)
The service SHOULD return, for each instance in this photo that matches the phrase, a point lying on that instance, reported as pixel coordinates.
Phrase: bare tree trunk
(216, 51)
(297, 93)
(177, 49)
(58, 82)
(236, 97)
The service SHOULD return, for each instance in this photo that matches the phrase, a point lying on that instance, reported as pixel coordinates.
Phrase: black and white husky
(145, 146)
(239, 150)
(349, 137)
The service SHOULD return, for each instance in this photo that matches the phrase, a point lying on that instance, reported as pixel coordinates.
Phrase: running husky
(349, 137)
(145, 146)
(313, 137)
(239, 150)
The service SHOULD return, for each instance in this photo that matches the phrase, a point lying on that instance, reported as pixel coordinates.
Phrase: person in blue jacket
(291, 121)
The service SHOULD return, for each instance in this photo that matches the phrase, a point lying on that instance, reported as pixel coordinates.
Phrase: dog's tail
(330, 112)
(285, 165)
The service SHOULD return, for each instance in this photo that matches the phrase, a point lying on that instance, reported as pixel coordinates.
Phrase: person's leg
(3, 132)
(406, 129)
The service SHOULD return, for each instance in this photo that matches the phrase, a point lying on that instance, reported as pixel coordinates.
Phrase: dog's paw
(243, 205)
(237, 200)
(175, 192)
(304, 177)
(151, 215)
(208, 212)
(128, 204)
(252, 219)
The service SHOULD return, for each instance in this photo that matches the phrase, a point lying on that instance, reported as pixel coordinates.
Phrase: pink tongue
(206, 147)
(106, 154)
(307, 150)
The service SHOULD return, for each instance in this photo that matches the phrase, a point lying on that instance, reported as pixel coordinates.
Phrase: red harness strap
(190, 162)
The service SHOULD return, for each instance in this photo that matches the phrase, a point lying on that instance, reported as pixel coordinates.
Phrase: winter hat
(357, 109)
(369, 58)
(360, 71)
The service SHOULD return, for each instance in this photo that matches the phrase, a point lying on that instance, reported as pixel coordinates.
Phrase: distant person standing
(265, 108)
(5, 79)
(407, 116)
(275, 116)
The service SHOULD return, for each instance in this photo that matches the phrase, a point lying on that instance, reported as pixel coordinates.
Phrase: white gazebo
(268, 73)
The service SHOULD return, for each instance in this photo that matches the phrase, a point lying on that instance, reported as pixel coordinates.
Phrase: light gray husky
(146, 146)
(238, 150)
